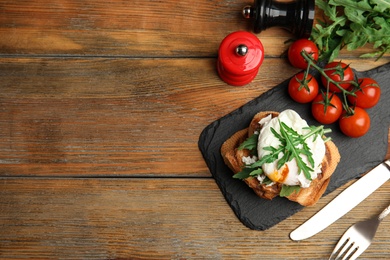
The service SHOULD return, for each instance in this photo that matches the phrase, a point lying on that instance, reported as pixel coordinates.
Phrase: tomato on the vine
(326, 109)
(339, 72)
(303, 90)
(295, 49)
(355, 125)
(367, 94)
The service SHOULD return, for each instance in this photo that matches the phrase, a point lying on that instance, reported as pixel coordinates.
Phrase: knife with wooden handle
(344, 202)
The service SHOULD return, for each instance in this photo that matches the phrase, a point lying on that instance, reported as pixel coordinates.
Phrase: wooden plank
(91, 91)
(135, 28)
(127, 28)
(107, 116)
(155, 218)
(72, 116)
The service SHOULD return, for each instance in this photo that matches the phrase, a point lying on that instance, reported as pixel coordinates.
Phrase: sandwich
(279, 154)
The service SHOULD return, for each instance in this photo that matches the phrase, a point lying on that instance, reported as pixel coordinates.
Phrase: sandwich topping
(286, 150)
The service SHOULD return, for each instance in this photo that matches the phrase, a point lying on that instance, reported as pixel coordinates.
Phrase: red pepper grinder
(240, 55)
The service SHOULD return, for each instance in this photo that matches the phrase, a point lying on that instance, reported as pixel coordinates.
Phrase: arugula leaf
(250, 143)
(352, 24)
(267, 181)
(288, 190)
(269, 158)
(248, 172)
(292, 140)
(329, 10)
(245, 173)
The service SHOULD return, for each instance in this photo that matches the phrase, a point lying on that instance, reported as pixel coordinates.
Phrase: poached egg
(289, 173)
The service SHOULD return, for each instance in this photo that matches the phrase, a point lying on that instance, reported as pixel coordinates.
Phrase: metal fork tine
(347, 244)
(351, 250)
(358, 252)
(338, 246)
(359, 236)
(333, 253)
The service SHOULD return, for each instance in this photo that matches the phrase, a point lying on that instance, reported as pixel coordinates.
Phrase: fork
(358, 237)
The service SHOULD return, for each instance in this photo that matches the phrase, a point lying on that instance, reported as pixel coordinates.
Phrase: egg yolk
(279, 175)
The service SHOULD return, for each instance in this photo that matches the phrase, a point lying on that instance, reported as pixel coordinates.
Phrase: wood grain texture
(98, 116)
(128, 28)
(137, 28)
(115, 117)
(154, 219)
(101, 107)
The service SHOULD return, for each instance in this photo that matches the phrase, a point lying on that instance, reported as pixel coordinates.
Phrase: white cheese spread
(248, 160)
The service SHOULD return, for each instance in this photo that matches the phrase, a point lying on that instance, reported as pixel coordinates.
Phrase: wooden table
(101, 107)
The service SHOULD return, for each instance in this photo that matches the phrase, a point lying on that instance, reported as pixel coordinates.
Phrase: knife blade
(344, 202)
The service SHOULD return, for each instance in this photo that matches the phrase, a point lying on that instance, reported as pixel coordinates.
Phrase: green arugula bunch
(353, 23)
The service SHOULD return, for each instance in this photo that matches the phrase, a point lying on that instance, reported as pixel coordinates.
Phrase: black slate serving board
(358, 155)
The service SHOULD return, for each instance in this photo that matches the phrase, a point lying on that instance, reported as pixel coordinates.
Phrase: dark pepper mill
(296, 16)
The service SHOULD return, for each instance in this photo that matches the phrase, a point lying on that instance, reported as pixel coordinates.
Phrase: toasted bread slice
(306, 196)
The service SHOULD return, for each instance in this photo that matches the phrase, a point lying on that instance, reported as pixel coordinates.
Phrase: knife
(344, 202)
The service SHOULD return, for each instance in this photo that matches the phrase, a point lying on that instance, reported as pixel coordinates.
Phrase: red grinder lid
(239, 58)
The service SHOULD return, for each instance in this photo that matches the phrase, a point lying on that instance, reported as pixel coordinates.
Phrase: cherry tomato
(326, 109)
(303, 91)
(355, 125)
(295, 49)
(367, 95)
(339, 72)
